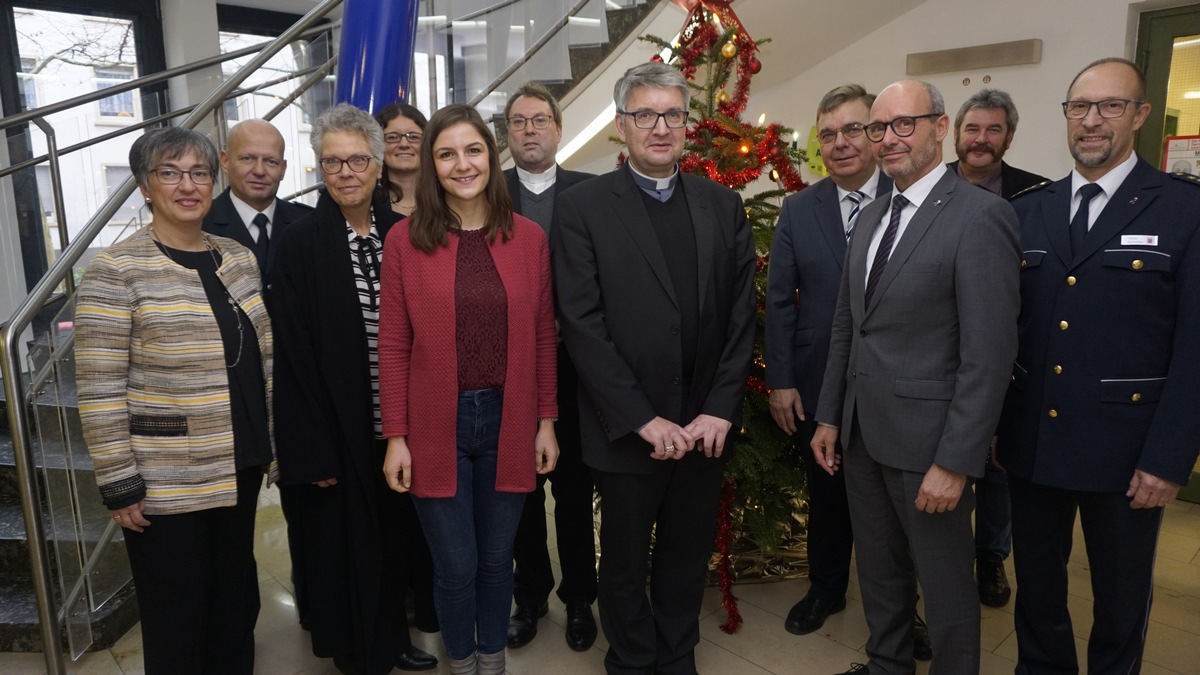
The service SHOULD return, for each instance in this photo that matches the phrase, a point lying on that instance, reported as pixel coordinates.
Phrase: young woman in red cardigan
(467, 353)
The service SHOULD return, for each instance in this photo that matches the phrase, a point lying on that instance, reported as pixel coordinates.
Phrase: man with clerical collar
(534, 122)
(654, 278)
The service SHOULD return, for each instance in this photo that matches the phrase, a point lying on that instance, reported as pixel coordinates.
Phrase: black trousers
(830, 535)
(1120, 545)
(572, 485)
(197, 587)
(678, 504)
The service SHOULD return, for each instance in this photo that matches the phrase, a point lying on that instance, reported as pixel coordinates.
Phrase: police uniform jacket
(1107, 377)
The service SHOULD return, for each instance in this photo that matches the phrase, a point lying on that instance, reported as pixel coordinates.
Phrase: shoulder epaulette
(1031, 188)
(1185, 177)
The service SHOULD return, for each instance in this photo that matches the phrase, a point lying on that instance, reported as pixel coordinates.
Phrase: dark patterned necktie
(263, 243)
(1079, 224)
(855, 198)
(885, 246)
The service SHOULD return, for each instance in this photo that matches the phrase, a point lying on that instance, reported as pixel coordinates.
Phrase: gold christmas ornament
(722, 97)
(729, 50)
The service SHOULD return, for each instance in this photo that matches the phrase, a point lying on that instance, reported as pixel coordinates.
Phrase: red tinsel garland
(725, 574)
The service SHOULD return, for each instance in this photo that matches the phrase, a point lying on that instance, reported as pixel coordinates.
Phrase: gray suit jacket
(803, 278)
(924, 368)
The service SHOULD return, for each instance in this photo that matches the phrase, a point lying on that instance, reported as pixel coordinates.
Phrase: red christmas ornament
(656, 58)
(755, 66)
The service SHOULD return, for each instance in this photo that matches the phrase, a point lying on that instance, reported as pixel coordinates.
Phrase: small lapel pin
(1133, 201)
(937, 202)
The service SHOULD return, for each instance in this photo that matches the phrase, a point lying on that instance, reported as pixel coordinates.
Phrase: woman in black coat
(324, 299)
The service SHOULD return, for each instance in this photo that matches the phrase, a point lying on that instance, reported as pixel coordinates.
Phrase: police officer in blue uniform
(1101, 417)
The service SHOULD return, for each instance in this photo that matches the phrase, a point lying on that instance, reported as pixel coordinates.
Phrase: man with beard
(806, 269)
(983, 132)
(534, 131)
(923, 338)
(1101, 414)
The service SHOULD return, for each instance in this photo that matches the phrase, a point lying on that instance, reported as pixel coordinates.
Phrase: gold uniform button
(1058, 370)
(1070, 281)
(1136, 397)
(1137, 264)
(1024, 264)
(1053, 412)
(1063, 325)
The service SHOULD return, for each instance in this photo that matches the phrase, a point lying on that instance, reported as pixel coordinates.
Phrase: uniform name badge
(1139, 240)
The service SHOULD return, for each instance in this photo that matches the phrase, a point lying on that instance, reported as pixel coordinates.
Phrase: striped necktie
(885, 247)
(855, 198)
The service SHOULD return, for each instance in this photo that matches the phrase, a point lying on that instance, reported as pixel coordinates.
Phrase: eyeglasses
(1109, 108)
(393, 137)
(538, 122)
(901, 126)
(852, 130)
(648, 119)
(251, 160)
(357, 164)
(169, 175)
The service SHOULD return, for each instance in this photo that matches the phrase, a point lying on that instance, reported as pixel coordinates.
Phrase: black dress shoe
(522, 627)
(810, 613)
(581, 626)
(922, 647)
(994, 590)
(416, 659)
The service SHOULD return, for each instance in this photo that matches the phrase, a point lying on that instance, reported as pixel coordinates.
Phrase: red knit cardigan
(418, 359)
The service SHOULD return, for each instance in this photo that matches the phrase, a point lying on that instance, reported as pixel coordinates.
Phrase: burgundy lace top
(481, 315)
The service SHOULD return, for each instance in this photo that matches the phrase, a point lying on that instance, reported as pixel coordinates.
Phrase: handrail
(11, 331)
(147, 80)
(537, 46)
(96, 140)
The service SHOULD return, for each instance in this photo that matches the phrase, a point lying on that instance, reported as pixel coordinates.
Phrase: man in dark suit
(923, 334)
(534, 131)
(249, 213)
(248, 210)
(1101, 417)
(654, 277)
(983, 132)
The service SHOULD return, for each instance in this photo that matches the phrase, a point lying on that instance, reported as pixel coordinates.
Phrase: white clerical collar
(656, 183)
(538, 183)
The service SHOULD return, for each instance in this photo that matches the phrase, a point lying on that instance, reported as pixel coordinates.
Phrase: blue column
(376, 52)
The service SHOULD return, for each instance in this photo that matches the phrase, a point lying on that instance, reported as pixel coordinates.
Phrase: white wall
(1073, 33)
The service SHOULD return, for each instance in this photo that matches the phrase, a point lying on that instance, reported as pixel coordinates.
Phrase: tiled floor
(760, 647)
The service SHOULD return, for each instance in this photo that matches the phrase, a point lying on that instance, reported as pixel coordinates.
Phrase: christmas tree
(761, 506)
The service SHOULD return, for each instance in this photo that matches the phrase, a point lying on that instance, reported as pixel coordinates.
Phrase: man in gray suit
(924, 335)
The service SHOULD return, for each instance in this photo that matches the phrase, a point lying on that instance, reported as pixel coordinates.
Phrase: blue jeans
(471, 535)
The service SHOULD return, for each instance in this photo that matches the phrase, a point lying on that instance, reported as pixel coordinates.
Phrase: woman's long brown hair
(430, 224)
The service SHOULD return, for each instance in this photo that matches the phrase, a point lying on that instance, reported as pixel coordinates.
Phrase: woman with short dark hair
(173, 365)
